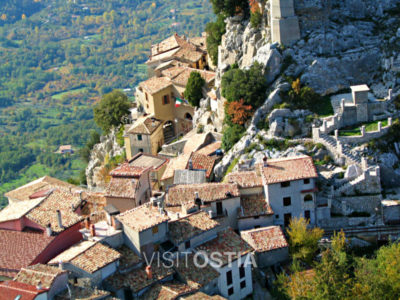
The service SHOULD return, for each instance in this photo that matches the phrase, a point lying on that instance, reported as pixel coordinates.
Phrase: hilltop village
(185, 216)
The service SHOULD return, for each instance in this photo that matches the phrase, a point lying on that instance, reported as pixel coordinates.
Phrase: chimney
(190, 164)
(113, 224)
(210, 214)
(197, 200)
(49, 232)
(39, 286)
(87, 223)
(265, 161)
(59, 219)
(149, 272)
(92, 230)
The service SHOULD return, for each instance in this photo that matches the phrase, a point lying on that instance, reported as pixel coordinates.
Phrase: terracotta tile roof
(81, 293)
(155, 84)
(45, 183)
(148, 161)
(95, 258)
(177, 163)
(128, 258)
(194, 276)
(265, 239)
(167, 291)
(137, 280)
(195, 142)
(17, 210)
(210, 149)
(184, 76)
(142, 217)
(208, 192)
(11, 290)
(254, 205)
(145, 125)
(19, 249)
(202, 296)
(199, 41)
(46, 212)
(227, 241)
(39, 273)
(189, 54)
(72, 252)
(127, 170)
(288, 169)
(190, 226)
(246, 179)
(122, 188)
(203, 162)
(172, 72)
(166, 45)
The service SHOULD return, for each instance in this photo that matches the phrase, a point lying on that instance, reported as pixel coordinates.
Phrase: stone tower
(284, 23)
(360, 100)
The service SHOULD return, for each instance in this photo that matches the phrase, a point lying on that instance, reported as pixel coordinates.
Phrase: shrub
(230, 8)
(256, 19)
(238, 112)
(231, 136)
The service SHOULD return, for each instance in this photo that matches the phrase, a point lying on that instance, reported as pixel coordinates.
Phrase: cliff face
(343, 43)
(107, 148)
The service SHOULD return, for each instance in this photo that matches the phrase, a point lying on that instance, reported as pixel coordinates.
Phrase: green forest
(58, 58)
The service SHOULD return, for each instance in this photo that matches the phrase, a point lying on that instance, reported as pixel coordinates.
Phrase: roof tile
(39, 273)
(265, 239)
(248, 179)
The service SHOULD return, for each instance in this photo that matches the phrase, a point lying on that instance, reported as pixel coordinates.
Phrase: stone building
(284, 23)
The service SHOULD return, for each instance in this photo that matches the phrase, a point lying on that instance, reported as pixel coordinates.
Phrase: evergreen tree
(193, 92)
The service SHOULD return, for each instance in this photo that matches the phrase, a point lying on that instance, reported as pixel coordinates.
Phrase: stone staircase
(349, 184)
(168, 134)
(331, 144)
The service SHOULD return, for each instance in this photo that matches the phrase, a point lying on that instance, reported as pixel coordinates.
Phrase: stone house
(192, 230)
(129, 186)
(269, 244)
(136, 283)
(145, 228)
(157, 163)
(189, 161)
(144, 136)
(89, 259)
(290, 188)
(220, 200)
(169, 290)
(53, 279)
(235, 274)
(254, 212)
(204, 278)
(190, 52)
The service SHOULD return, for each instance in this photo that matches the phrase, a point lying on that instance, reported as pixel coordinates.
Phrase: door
(287, 218)
(220, 210)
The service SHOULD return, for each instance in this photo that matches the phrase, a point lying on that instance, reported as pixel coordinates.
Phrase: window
(307, 214)
(243, 284)
(285, 184)
(156, 247)
(155, 230)
(276, 216)
(287, 201)
(165, 99)
(308, 197)
(242, 271)
(187, 244)
(219, 208)
(230, 291)
(139, 137)
(229, 278)
(307, 181)
(147, 97)
(257, 226)
(256, 217)
(140, 149)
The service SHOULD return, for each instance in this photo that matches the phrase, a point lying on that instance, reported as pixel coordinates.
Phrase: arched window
(188, 117)
(308, 197)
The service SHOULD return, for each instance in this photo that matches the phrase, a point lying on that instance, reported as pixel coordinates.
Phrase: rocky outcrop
(107, 148)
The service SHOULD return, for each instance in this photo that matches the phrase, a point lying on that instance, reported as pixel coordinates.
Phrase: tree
(230, 8)
(110, 110)
(303, 241)
(249, 85)
(215, 31)
(238, 112)
(193, 92)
